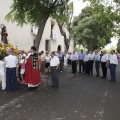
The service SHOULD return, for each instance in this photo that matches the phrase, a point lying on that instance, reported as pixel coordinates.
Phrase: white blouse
(47, 59)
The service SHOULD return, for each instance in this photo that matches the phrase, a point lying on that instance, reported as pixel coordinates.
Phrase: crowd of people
(29, 67)
(86, 60)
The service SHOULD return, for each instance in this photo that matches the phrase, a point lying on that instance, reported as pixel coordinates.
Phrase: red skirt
(32, 76)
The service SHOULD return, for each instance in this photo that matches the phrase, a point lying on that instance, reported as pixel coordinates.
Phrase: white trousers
(3, 80)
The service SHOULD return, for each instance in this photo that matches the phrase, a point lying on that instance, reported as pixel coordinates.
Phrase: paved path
(79, 97)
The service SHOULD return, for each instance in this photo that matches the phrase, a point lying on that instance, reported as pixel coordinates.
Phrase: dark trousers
(43, 67)
(69, 62)
(91, 67)
(81, 65)
(87, 71)
(61, 65)
(47, 65)
(11, 80)
(113, 71)
(97, 65)
(104, 69)
(74, 66)
(54, 76)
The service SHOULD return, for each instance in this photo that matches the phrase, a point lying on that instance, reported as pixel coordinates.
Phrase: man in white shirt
(91, 56)
(104, 64)
(11, 78)
(74, 58)
(81, 57)
(113, 64)
(97, 62)
(54, 65)
(86, 61)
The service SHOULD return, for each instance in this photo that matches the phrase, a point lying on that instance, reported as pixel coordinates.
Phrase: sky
(78, 6)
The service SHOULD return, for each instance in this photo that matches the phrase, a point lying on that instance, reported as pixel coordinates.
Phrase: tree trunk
(40, 31)
(68, 40)
(63, 33)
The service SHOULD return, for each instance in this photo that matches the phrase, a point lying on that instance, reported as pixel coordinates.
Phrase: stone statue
(4, 35)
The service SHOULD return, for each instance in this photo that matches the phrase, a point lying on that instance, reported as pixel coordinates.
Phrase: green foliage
(64, 14)
(88, 30)
(97, 23)
(32, 11)
(109, 11)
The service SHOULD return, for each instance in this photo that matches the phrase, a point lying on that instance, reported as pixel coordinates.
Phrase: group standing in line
(87, 59)
(30, 66)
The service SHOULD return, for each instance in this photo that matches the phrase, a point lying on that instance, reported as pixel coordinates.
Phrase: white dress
(2, 75)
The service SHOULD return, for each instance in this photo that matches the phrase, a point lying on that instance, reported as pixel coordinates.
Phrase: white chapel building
(23, 37)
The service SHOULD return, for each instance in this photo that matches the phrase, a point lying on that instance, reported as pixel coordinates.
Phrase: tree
(118, 46)
(65, 20)
(108, 10)
(90, 30)
(111, 11)
(35, 12)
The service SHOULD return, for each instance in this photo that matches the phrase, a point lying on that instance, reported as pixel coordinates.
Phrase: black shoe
(97, 75)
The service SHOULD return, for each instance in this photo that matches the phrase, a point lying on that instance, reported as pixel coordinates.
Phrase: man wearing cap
(32, 74)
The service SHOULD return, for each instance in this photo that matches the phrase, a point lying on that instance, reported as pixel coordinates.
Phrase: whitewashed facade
(23, 37)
